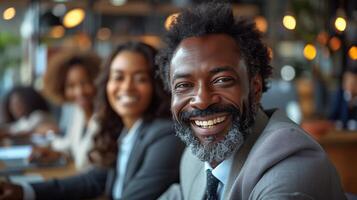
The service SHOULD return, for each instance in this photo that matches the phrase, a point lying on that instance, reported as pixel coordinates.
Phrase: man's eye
(182, 86)
(224, 80)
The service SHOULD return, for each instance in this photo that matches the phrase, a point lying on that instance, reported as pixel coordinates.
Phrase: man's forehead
(217, 48)
(209, 42)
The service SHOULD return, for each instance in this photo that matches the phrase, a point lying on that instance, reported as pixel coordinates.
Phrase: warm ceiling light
(289, 22)
(309, 51)
(170, 19)
(9, 13)
(73, 17)
(352, 52)
(340, 24)
(335, 43)
(261, 23)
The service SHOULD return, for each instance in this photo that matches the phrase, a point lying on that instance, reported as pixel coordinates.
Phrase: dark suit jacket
(152, 167)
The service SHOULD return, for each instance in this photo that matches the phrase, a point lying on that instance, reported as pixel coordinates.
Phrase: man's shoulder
(285, 159)
(281, 130)
(282, 138)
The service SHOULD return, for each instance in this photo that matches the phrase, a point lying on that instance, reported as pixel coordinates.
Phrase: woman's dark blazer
(152, 167)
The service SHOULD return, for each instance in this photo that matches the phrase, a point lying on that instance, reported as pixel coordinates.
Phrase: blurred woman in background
(136, 152)
(70, 79)
(26, 112)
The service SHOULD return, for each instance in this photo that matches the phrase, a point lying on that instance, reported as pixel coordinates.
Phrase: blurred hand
(10, 191)
(44, 155)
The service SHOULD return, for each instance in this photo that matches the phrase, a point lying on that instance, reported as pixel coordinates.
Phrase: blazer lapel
(197, 192)
(192, 176)
(242, 154)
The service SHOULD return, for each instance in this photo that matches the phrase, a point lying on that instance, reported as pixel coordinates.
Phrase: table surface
(341, 148)
(49, 172)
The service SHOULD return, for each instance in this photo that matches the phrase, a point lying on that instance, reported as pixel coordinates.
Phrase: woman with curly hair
(136, 153)
(70, 79)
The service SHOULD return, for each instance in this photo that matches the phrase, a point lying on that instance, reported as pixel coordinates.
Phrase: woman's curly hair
(216, 18)
(104, 152)
(58, 67)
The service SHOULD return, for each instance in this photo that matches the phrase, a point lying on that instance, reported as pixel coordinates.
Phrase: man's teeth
(210, 123)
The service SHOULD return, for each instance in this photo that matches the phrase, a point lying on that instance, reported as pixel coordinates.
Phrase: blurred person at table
(70, 79)
(344, 106)
(25, 112)
(136, 153)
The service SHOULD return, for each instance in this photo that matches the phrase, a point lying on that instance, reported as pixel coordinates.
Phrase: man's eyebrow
(180, 75)
(221, 69)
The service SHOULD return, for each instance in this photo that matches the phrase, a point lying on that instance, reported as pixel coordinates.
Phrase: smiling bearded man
(209, 150)
(217, 68)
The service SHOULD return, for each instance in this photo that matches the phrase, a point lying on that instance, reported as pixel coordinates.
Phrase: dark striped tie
(212, 185)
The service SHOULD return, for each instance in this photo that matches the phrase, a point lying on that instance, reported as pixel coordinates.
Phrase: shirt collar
(221, 172)
(128, 136)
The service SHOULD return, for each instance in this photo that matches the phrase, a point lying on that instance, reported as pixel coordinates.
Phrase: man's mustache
(185, 116)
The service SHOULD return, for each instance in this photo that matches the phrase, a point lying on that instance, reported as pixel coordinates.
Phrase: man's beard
(213, 151)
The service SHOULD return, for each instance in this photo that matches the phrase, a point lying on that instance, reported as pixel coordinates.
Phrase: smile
(126, 99)
(212, 125)
(208, 124)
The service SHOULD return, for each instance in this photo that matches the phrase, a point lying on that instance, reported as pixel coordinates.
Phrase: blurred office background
(311, 43)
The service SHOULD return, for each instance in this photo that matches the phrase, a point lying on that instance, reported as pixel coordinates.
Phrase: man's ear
(257, 87)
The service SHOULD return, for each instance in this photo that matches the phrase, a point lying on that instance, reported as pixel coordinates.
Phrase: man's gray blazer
(152, 167)
(277, 161)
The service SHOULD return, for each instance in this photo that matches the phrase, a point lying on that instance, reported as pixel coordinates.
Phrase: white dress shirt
(221, 172)
(125, 145)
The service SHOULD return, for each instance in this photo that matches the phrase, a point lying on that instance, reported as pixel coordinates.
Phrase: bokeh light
(287, 73)
(57, 31)
(352, 52)
(335, 43)
(289, 22)
(340, 23)
(170, 19)
(73, 18)
(322, 38)
(9, 13)
(310, 52)
(261, 23)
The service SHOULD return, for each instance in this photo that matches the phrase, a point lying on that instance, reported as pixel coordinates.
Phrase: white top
(221, 172)
(31, 122)
(126, 143)
(78, 140)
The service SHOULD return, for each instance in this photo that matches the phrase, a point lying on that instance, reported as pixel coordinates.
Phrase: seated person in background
(26, 112)
(216, 68)
(344, 110)
(70, 79)
(136, 152)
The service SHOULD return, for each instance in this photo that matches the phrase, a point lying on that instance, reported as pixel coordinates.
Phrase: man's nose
(203, 98)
